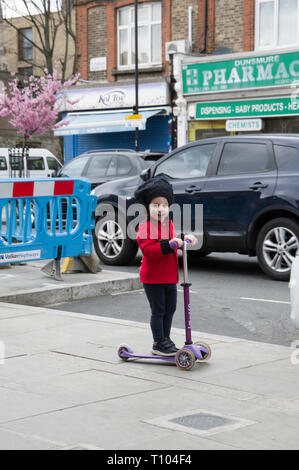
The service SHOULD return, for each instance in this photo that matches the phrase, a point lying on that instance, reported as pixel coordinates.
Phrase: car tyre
(110, 244)
(276, 247)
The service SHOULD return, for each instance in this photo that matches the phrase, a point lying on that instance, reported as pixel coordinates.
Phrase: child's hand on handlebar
(178, 241)
(191, 239)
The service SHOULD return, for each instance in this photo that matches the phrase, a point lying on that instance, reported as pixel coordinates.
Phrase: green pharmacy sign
(241, 74)
(245, 109)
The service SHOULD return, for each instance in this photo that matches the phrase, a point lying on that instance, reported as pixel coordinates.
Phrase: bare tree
(46, 18)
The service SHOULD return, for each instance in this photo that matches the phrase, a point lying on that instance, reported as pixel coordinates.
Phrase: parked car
(100, 166)
(41, 163)
(249, 189)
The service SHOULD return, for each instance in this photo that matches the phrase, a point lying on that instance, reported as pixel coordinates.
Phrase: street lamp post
(136, 107)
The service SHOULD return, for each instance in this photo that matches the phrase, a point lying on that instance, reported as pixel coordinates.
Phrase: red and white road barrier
(36, 189)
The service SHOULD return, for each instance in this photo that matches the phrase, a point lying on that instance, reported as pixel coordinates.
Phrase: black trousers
(163, 301)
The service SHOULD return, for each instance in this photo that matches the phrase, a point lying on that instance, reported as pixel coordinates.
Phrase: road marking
(265, 300)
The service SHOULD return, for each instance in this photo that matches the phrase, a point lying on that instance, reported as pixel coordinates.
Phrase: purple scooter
(186, 357)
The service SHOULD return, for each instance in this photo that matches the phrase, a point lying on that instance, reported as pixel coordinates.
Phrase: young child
(159, 268)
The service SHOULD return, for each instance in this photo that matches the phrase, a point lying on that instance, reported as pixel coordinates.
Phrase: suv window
(75, 168)
(98, 166)
(287, 158)
(35, 163)
(111, 171)
(124, 165)
(3, 164)
(53, 164)
(239, 158)
(190, 163)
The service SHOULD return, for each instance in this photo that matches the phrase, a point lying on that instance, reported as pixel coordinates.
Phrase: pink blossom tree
(32, 106)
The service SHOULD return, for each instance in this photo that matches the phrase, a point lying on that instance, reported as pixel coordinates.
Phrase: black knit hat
(155, 187)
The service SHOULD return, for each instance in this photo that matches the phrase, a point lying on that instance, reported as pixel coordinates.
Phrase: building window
(149, 35)
(25, 44)
(25, 71)
(277, 23)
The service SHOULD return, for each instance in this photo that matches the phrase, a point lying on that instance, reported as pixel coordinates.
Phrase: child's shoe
(172, 345)
(163, 348)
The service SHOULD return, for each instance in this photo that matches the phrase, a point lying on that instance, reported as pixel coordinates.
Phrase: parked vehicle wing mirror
(146, 174)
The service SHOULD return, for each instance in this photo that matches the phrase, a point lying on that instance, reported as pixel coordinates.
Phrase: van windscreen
(3, 164)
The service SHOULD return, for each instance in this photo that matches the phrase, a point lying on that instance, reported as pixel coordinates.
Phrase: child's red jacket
(159, 262)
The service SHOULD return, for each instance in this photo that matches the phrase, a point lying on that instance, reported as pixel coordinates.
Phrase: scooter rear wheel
(185, 359)
(205, 345)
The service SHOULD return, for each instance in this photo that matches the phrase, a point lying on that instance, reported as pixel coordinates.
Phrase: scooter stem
(186, 285)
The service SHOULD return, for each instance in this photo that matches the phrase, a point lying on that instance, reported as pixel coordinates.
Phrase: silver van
(40, 163)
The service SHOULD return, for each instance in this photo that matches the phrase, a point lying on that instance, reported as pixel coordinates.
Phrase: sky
(14, 8)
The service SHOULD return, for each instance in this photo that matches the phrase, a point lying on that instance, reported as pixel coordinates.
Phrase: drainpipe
(205, 15)
(190, 24)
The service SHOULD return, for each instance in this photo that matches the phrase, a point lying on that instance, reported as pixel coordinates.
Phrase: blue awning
(96, 123)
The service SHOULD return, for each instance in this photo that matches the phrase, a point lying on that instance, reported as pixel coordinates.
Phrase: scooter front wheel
(185, 359)
(207, 357)
(121, 348)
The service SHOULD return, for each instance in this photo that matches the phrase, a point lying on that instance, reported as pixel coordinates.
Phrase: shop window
(149, 35)
(239, 158)
(25, 44)
(277, 23)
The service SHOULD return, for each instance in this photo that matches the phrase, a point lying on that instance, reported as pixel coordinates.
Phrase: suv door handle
(258, 185)
(193, 189)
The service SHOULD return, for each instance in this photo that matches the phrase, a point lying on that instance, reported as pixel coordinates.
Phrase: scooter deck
(136, 355)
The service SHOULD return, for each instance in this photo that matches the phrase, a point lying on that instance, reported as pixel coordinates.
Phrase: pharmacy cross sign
(242, 73)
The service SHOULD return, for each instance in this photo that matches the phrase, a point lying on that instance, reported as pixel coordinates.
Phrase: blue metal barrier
(45, 219)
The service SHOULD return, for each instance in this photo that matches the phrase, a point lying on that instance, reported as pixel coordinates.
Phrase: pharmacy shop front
(228, 95)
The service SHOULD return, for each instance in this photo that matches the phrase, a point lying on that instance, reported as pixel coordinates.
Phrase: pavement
(28, 285)
(63, 386)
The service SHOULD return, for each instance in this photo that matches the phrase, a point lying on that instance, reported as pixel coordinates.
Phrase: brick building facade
(226, 23)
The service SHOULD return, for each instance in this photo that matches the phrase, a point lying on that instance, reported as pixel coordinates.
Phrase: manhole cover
(202, 421)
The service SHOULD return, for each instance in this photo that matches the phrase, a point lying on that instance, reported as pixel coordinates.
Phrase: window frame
(130, 27)
(275, 45)
(21, 48)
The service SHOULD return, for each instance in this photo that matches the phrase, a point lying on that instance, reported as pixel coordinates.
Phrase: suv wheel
(110, 244)
(277, 244)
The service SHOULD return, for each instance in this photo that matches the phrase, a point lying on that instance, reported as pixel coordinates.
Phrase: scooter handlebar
(174, 245)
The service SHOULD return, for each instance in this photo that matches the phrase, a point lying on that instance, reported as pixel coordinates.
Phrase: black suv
(249, 189)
